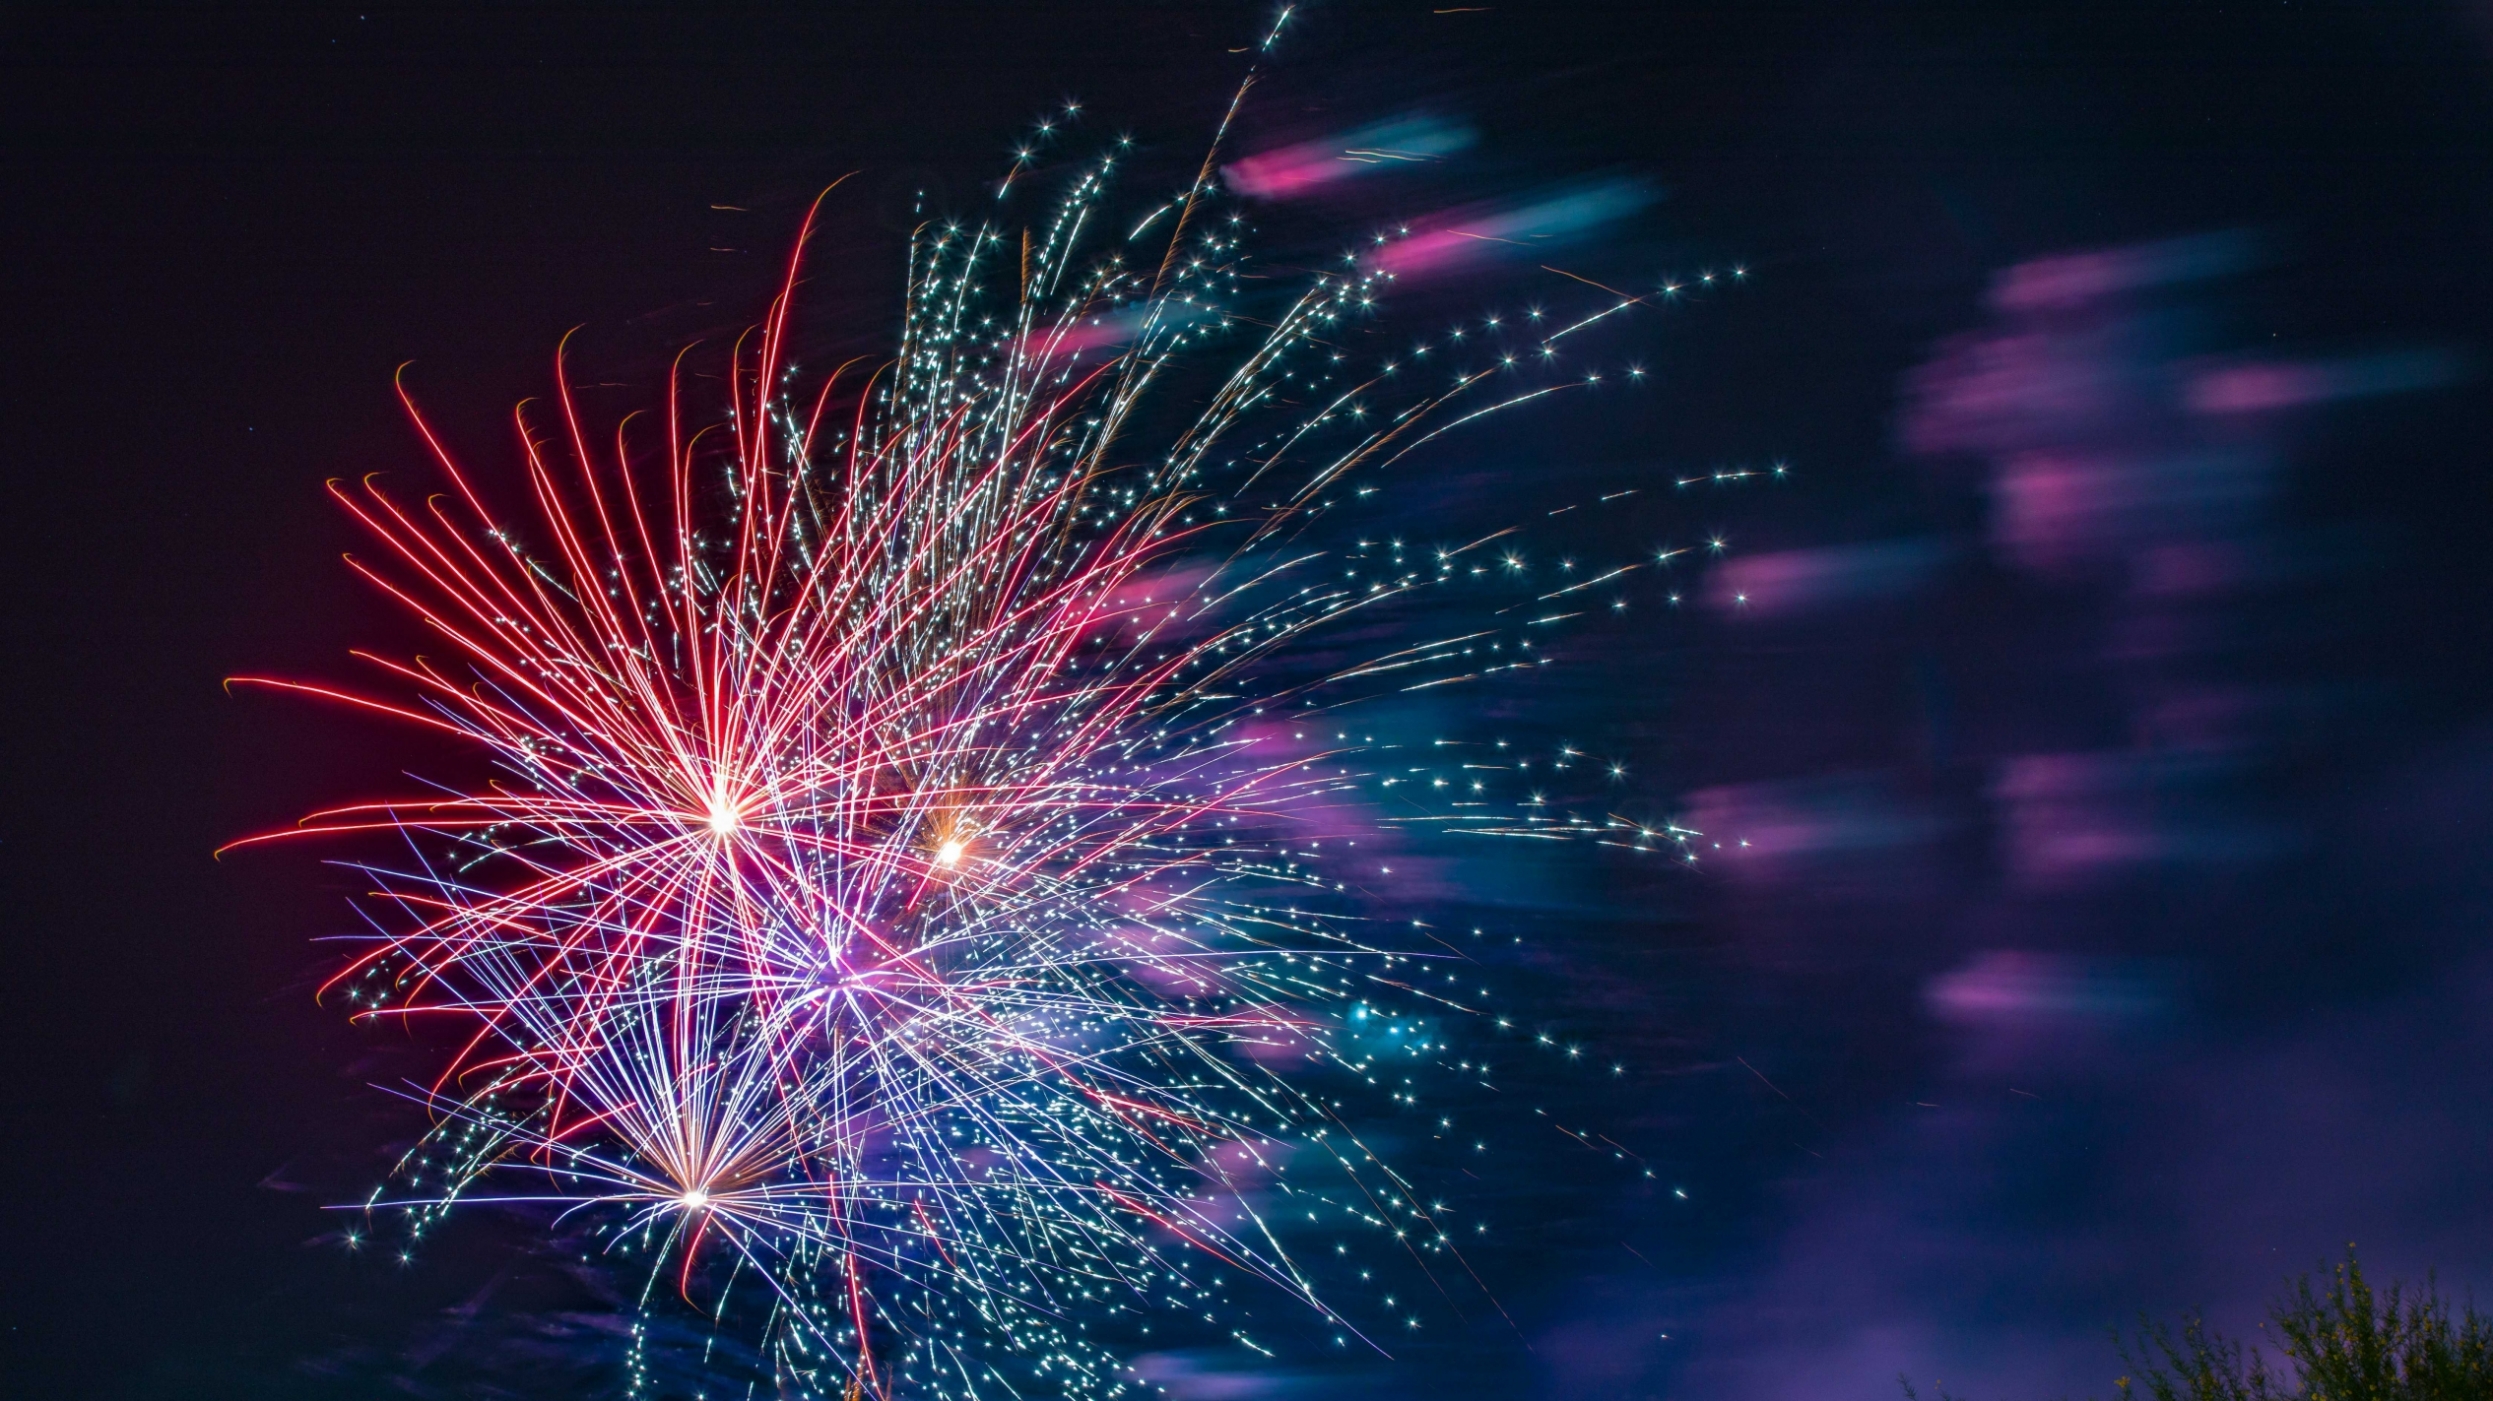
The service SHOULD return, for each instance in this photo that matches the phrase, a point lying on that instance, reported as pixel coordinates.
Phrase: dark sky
(2104, 696)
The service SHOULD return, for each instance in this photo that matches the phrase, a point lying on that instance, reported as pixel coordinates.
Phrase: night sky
(2103, 693)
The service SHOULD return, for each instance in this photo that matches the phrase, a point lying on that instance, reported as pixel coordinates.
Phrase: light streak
(883, 883)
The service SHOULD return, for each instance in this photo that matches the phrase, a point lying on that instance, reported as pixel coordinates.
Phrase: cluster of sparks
(881, 900)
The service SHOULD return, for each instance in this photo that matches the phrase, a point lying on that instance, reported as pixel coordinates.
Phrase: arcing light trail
(885, 902)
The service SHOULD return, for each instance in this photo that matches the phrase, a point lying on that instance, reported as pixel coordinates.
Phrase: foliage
(2342, 1342)
(2338, 1340)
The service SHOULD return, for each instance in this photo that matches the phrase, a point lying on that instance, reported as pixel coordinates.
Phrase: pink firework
(882, 892)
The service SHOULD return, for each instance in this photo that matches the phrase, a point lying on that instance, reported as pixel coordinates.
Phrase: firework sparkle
(895, 899)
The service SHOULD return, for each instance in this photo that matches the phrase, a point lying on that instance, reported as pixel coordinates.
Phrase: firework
(888, 900)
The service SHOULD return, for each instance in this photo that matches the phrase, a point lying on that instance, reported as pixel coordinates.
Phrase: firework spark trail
(862, 890)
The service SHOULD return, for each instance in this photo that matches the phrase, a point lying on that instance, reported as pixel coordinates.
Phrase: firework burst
(883, 901)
